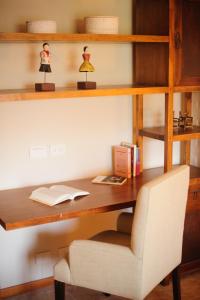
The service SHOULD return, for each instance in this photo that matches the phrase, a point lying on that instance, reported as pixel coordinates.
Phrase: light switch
(57, 149)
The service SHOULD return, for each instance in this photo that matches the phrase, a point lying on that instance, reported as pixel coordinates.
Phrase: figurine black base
(44, 87)
(86, 85)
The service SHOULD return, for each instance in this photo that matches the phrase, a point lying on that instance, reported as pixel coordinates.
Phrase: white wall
(88, 126)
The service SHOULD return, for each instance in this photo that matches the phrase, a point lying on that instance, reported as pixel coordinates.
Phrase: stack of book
(126, 160)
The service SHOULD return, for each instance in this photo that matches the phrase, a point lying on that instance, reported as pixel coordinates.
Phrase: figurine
(86, 67)
(45, 59)
(45, 67)
(175, 121)
(184, 121)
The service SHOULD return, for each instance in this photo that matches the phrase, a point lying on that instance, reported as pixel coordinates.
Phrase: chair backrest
(158, 225)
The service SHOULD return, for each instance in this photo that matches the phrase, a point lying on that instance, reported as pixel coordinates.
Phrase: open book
(56, 194)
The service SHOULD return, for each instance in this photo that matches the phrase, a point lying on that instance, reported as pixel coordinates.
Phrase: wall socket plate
(57, 149)
(37, 152)
(44, 262)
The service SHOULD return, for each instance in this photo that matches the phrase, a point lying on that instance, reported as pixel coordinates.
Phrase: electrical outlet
(57, 149)
(37, 152)
(44, 262)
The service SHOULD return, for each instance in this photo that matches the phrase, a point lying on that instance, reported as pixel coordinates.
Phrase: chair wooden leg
(176, 284)
(107, 295)
(59, 290)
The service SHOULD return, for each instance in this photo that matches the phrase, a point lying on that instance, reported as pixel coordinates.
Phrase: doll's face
(46, 47)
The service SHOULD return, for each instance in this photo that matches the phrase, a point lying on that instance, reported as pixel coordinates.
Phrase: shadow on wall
(50, 246)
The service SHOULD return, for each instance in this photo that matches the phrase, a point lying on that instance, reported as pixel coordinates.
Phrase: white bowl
(41, 26)
(101, 24)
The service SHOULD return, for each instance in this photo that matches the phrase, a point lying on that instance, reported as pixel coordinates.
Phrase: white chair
(132, 260)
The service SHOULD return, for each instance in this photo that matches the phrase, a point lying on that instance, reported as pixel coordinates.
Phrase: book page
(68, 190)
(56, 194)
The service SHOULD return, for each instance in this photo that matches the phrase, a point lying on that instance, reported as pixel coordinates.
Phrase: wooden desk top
(17, 210)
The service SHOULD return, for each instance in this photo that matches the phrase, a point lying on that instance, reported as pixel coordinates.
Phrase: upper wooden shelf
(64, 37)
(178, 133)
(116, 90)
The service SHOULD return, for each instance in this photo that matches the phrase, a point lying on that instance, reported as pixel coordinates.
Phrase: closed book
(122, 161)
(133, 148)
(138, 161)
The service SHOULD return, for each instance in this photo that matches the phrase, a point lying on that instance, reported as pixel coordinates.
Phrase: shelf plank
(157, 133)
(20, 95)
(64, 37)
(185, 89)
(187, 134)
(178, 133)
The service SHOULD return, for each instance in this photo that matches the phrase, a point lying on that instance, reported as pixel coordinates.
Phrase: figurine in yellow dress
(86, 65)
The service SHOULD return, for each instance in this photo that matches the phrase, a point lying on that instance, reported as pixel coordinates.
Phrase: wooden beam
(171, 42)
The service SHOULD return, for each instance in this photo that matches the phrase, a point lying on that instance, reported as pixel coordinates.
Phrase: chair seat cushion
(62, 269)
(113, 237)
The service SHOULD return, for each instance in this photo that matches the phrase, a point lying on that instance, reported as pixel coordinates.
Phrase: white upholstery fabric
(62, 271)
(158, 225)
(131, 265)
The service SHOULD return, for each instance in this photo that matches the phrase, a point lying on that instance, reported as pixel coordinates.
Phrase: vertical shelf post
(169, 98)
(186, 146)
(168, 131)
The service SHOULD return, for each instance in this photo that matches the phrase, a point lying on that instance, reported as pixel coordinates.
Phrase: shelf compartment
(178, 133)
(115, 90)
(64, 37)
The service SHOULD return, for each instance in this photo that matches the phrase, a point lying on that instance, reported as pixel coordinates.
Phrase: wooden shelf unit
(163, 67)
(178, 67)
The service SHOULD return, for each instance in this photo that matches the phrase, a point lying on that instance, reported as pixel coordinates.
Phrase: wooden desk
(17, 210)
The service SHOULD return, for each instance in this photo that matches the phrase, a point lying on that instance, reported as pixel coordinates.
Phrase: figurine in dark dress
(45, 59)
